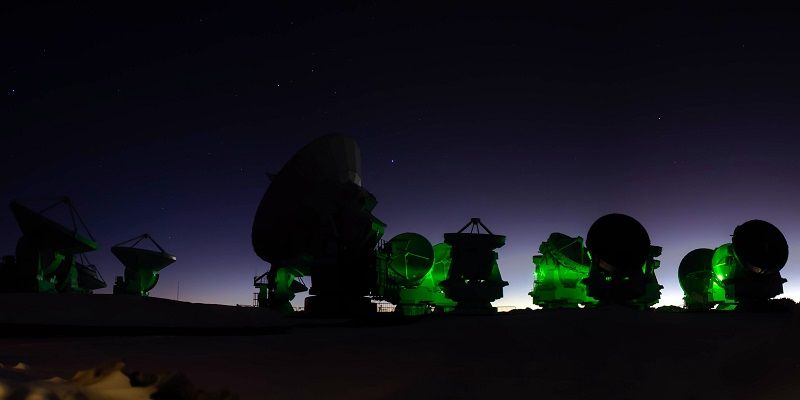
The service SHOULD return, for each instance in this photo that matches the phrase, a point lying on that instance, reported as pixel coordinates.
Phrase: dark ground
(588, 354)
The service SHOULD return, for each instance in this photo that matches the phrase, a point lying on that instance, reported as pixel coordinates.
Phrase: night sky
(166, 120)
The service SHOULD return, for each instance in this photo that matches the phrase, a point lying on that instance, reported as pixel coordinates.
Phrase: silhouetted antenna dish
(474, 280)
(141, 265)
(300, 202)
(52, 234)
(46, 253)
(760, 246)
(619, 242)
(623, 262)
(89, 277)
(316, 219)
(133, 257)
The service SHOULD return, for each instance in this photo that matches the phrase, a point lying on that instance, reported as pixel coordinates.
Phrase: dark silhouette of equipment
(412, 272)
(50, 256)
(315, 219)
(474, 280)
(89, 278)
(623, 265)
(141, 266)
(744, 274)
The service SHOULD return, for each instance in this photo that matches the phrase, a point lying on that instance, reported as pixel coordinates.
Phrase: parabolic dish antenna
(135, 258)
(569, 251)
(695, 277)
(411, 256)
(760, 246)
(46, 252)
(694, 271)
(316, 218)
(441, 262)
(49, 233)
(141, 266)
(620, 242)
(89, 277)
(474, 280)
(297, 209)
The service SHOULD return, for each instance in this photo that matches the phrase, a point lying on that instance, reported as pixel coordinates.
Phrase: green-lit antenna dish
(46, 253)
(411, 257)
(410, 272)
(694, 276)
(559, 273)
(744, 274)
(141, 266)
(441, 262)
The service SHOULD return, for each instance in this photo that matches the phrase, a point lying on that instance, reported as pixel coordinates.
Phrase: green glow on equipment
(50, 257)
(141, 266)
(563, 265)
(723, 263)
(743, 274)
(559, 272)
(413, 270)
(622, 270)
